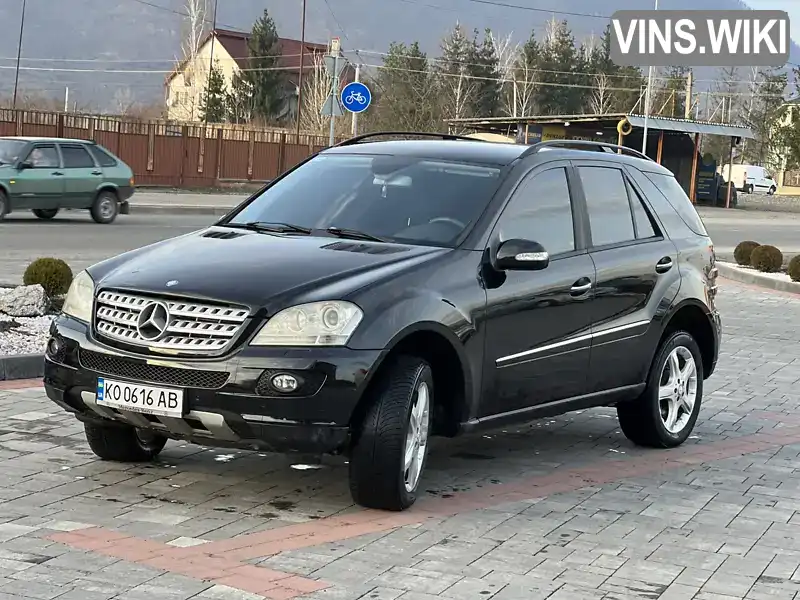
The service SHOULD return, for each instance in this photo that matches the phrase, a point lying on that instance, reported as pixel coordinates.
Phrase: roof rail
(439, 136)
(584, 145)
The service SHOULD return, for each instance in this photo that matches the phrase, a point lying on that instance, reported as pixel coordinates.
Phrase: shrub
(53, 274)
(794, 268)
(767, 259)
(742, 252)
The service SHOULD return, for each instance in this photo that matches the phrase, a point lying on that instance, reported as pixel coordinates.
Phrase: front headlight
(315, 324)
(78, 302)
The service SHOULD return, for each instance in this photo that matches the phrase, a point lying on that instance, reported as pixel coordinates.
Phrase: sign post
(335, 64)
(356, 98)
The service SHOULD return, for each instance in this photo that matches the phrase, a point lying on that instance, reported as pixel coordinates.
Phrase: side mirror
(25, 164)
(522, 255)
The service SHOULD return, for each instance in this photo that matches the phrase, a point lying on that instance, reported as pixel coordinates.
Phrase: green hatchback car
(45, 175)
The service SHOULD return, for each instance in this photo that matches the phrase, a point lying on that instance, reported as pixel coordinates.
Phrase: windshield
(10, 150)
(401, 199)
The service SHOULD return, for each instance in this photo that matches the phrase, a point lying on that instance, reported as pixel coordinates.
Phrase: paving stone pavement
(564, 508)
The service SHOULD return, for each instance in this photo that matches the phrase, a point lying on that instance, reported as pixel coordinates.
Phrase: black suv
(387, 290)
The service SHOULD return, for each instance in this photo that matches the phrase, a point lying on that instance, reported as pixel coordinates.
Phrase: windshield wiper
(270, 227)
(353, 234)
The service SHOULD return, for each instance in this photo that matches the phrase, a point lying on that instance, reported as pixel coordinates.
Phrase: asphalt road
(75, 238)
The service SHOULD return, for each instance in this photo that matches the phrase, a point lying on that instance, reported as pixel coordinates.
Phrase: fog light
(54, 346)
(285, 383)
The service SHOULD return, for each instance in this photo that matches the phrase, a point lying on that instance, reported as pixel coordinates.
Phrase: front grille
(139, 371)
(190, 327)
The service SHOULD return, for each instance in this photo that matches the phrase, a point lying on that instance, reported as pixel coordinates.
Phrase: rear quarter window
(103, 158)
(669, 187)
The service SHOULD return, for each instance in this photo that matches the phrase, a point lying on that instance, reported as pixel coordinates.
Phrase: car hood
(257, 269)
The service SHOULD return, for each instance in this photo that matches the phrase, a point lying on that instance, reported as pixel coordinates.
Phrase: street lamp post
(647, 94)
(19, 55)
(300, 76)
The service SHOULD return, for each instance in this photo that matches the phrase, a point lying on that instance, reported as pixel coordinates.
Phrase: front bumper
(228, 402)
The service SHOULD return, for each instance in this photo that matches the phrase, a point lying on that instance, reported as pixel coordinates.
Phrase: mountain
(144, 35)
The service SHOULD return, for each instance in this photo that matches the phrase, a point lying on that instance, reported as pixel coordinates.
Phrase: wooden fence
(175, 155)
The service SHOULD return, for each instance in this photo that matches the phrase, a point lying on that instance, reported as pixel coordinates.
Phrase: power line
(183, 14)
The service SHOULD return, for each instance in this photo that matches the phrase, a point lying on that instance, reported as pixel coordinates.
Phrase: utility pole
(19, 55)
(334, 93)
(354, 128)
(689, 85)
(210, 60)
(300, 76)
(647, 101)
(66, 99)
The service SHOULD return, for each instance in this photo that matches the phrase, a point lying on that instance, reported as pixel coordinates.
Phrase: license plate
(165, 402)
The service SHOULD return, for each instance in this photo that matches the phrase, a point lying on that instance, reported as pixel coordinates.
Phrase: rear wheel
(666, 412)
(123, 443)
(45, 213)
(391, 448)
(105, 208)
(3, 204)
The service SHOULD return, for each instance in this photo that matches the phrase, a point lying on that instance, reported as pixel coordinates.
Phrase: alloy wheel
(416, 444)
(677, 391)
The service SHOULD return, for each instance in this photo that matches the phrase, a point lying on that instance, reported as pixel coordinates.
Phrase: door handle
(57, 173)
(580, 287)
(97, 172)
(664, 265)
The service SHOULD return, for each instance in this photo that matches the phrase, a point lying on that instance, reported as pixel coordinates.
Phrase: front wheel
(3, 205)
(771, 191)
(123, 443)
(105, 208)
(666, 412)
(45, 213)
(391, 447)
(749, 189)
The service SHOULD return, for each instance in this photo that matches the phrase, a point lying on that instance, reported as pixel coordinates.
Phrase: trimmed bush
(794, 268)
(767, 259)
(53, 274)
(742, 252)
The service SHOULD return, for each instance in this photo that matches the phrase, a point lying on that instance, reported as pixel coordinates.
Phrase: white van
(751, 178)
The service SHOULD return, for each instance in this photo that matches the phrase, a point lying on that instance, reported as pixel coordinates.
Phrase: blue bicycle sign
(356, 97)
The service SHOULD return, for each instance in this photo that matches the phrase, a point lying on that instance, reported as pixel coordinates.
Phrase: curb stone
(22, 366)
(730, 272)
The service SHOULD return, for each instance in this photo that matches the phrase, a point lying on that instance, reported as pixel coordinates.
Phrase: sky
(790, 6)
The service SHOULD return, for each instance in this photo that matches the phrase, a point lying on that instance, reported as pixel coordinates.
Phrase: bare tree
(316, 89)
(602, 100)
(507, 54)
(124, 101)
(457, 87)
(195, 26)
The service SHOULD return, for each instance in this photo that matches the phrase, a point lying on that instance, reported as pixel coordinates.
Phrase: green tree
(614, 88)
(525, 78)
(669, 99)
(484, 67)
(239, 102)
(263, 86)
(407, 91)
(765, 117)
(212, 104)
(561, 67)
(458, 87)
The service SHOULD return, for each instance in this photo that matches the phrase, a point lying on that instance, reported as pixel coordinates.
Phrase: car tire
(45, 213)
(123, 443)
(749, 189)
(658, 419)
(380, 475)
(3, 205)
(105, 208)
(771, 191)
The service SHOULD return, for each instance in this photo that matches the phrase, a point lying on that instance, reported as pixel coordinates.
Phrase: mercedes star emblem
(153, 321)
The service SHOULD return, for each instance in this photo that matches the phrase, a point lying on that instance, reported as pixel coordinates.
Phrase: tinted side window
(76, 157)
(43, 157)
(644, 225)
(541, 211)
(607, 202)
(103, 158)
(673, 192)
